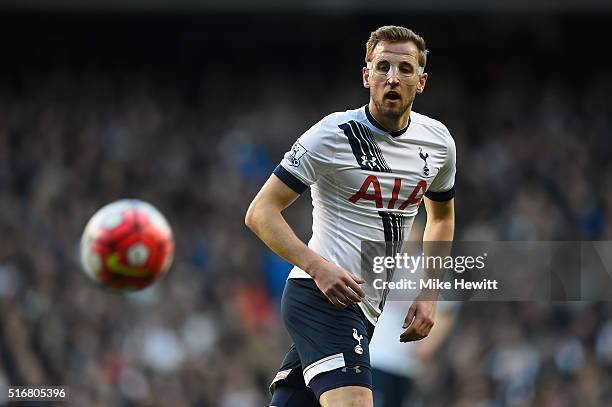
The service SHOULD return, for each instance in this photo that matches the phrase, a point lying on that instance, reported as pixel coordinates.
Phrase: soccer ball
(127, 246)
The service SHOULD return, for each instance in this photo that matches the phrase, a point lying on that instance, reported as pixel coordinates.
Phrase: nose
(392, 79)
(393, 75)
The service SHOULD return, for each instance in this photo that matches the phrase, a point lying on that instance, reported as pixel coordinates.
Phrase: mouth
(392, 95)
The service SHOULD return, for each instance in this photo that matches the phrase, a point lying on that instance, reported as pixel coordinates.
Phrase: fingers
(351, 295)
(410, 335)
(344, 298)
(417, 324)
(336, 301)
(359, 280)
(341, 289)
(353, 283)
(409, 316)
(423, 326)
(347, 291)
(341, 303)
(340, 297)
(416, 332)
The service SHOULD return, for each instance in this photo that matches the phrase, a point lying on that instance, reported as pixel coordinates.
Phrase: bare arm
(440, 227)
(264, 217)
(438, 235)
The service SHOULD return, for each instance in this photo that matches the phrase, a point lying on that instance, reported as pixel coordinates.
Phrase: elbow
(448, 221)
(250, 219)
(445, 218)
(441, 224)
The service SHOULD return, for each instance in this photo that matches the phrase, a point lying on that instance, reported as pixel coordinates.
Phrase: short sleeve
(443, 186)
(310, 157)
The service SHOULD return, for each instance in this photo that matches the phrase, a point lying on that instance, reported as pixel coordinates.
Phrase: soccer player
(368, 170)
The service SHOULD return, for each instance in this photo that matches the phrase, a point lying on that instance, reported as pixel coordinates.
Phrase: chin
(393, 112)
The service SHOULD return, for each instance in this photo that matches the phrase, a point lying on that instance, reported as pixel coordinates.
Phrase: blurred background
(190, 105)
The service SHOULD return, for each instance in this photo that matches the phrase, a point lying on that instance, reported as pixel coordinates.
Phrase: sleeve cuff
(290, 180)
(441, 196)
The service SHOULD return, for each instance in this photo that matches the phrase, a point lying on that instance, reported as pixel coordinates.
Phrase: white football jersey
(367, 185)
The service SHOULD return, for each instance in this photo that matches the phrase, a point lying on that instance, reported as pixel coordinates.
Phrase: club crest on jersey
(369, 161)
(424, 157)
(358, 338)
(297, 152)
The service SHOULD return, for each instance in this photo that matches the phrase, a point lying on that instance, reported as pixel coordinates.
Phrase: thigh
(353, 396)
(351, 384)
(326, 338)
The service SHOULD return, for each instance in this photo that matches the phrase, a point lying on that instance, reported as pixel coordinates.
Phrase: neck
(391, 124)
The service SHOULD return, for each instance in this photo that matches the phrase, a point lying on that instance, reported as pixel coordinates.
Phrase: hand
(419, 320)
(339, 286)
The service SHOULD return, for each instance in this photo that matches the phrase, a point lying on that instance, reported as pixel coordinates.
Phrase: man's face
(393, 77)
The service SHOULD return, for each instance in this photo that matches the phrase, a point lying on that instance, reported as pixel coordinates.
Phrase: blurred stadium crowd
(532, 126)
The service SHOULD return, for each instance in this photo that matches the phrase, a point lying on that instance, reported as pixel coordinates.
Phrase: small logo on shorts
(358, 338)
(355, 368)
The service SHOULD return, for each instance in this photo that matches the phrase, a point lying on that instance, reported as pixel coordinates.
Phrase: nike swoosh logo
(116, 267)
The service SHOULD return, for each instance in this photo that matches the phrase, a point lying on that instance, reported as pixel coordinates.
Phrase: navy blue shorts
(331, 345)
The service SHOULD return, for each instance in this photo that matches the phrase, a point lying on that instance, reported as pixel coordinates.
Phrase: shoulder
(335, 119)
(330, 125)
(429, 123)
(433, 127)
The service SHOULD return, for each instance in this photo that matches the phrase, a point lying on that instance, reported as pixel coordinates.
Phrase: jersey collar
(374, 123)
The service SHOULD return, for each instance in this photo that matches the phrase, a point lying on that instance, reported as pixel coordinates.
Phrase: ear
(365, 76)
(422, 82)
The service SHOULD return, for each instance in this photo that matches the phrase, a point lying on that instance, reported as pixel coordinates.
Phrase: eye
(406, 69)
(382, 66)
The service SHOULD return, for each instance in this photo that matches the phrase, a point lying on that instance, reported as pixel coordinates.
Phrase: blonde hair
(395, 33)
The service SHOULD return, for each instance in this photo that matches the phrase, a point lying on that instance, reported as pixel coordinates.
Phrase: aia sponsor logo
(376, 196)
